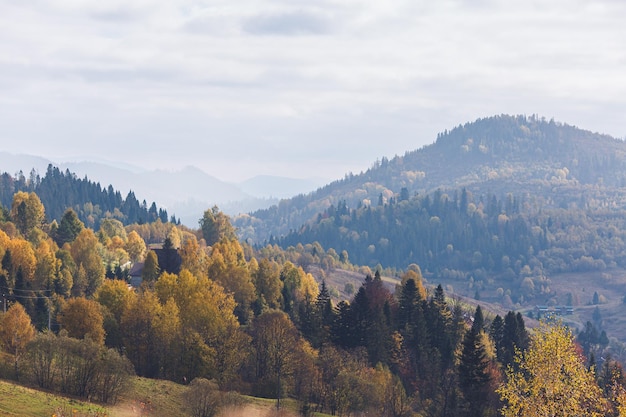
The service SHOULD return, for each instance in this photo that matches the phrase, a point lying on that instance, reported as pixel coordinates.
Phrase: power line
(21, 290)
(25, 297)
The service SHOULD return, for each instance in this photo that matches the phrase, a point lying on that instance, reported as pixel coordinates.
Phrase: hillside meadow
(144, 397)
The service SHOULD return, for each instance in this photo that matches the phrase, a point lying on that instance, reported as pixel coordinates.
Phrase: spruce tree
(496, 332)
(324, 317)
(474, 375)
(514, 337)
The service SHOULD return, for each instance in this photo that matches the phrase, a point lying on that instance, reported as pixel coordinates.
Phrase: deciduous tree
(83, 318)
(206, 317)
(135, 246)
(216, 225)
(276, 342)
(151, 269)
(268, 286)
(139, 334)
(42, 354)
(203, 398)
(115, 298)
(552, 379)
(48, 266)
(227, 266)
(16, 331)
(85, 252)
(193, 257)
(27, 212)
(23, 257)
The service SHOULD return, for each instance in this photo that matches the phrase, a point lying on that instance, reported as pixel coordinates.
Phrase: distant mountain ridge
(186, 192)
(501, 154)
(59, 191)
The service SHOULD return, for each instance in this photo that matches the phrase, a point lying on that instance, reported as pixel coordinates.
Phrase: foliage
(60, 191)
(227, 266)
(82, 319)
(16, 331)
(77, 367)
(253, 319)
(69, 228)
(151, 269)
(135, 246)
(478, 374)
(216, 226)
(492, 204)
(276, 343)
(551, 379)
(85, 252)
(203, 398)
(27, 212)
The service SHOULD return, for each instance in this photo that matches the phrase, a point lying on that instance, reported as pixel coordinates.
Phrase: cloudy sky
(295, 88)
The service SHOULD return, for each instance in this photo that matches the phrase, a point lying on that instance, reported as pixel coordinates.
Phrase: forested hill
(59, 191)
(545, 160)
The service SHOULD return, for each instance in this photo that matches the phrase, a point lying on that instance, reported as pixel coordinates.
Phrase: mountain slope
(500, 155)
(497, 208)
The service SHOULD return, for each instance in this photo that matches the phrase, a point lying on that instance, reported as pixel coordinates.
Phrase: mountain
(264, 186)
(58, 191)
(511, 209)
(14, 163)
(186, 192)
(499, 155)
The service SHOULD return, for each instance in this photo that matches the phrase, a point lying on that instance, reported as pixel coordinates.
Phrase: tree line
(91, 202)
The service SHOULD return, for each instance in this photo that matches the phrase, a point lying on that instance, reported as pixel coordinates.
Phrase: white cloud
(332, 85)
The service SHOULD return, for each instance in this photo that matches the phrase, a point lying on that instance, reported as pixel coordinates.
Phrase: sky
(302, 89)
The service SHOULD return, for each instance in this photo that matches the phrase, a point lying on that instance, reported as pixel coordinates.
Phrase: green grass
(151, 397)
(144, 397)
(16, 400)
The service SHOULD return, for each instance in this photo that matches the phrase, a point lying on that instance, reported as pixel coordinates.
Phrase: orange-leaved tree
(16, 331)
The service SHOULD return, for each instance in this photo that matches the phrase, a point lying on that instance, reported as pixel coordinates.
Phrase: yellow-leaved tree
(210, 341)
(227, 266)
(27, 212)
(551, 379)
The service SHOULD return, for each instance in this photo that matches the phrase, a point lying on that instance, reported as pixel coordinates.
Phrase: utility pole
(49, 315)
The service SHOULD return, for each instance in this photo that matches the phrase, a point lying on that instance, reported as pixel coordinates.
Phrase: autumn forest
(436, 320)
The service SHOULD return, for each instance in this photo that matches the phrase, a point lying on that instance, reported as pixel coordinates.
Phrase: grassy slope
(16, 400)
(144, 397)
